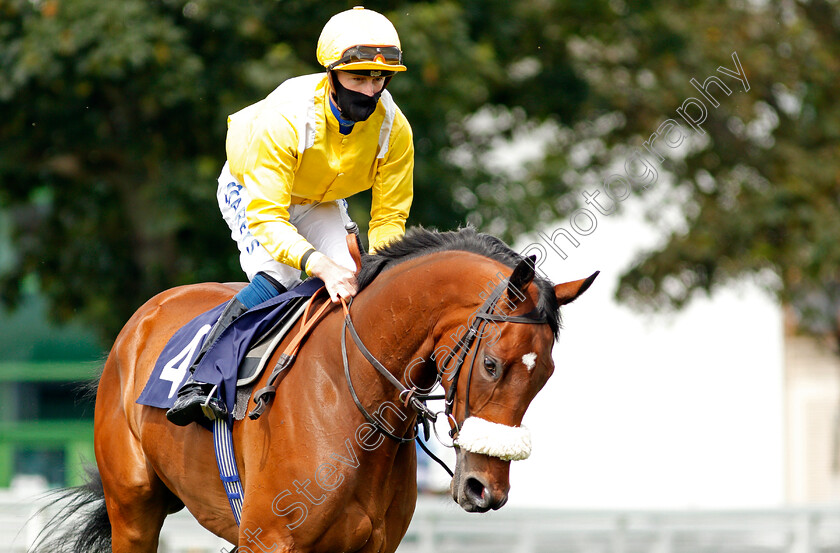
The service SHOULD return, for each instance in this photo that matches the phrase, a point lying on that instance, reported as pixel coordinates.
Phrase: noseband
(411, 396)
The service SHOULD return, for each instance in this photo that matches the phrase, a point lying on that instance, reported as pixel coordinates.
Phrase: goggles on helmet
(389, 55)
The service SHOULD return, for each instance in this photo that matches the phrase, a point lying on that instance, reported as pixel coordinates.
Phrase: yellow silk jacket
(287, 149)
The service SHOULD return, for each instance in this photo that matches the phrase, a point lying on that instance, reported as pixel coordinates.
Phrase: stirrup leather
(212, 407)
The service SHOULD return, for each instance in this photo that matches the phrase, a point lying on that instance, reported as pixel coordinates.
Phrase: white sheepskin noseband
(508, 443)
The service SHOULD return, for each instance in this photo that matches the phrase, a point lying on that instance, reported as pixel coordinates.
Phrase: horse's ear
(522, 276)
(570, 291)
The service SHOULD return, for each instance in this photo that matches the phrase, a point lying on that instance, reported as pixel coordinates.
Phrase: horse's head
(492, 377)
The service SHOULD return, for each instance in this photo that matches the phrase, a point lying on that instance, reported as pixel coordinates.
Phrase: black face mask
(354, 106)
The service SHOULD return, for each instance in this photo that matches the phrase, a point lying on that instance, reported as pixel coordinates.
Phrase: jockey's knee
(262, 288)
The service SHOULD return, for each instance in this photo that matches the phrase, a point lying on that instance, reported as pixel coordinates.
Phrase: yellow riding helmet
(360, 40)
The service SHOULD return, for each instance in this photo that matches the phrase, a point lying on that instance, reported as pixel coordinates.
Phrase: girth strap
(226, 461)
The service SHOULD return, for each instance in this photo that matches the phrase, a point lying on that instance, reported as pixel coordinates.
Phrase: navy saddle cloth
(220, 365)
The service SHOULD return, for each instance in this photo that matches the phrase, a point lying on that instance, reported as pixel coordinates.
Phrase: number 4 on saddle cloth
(237, 358)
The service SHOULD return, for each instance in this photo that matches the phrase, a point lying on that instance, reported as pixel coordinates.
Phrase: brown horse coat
(316, 475)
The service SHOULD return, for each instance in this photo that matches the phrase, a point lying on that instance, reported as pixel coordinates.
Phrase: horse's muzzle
(480, 483)
(474, 495)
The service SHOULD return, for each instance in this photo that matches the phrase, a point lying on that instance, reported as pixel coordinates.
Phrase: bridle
(474, 335)
(412, 396)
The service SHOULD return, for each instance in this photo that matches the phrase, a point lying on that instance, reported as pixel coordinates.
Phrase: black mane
(418, 242)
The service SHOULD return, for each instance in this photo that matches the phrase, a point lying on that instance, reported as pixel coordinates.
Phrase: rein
(411, 396)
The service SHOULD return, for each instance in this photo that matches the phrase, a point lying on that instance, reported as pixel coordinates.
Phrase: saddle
(255, 361)
(239, 357)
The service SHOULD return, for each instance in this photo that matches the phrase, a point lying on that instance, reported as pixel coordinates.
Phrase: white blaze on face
(530, 360)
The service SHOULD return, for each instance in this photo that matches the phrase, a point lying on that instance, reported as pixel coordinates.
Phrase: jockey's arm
(264, 159)
(266, 164)
(393, 187)
(392, 192)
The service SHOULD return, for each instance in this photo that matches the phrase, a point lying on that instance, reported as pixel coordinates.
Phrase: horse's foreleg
(136, 499)
(401, 508)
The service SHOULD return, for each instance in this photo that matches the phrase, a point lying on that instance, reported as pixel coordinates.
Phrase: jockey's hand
(340, 281)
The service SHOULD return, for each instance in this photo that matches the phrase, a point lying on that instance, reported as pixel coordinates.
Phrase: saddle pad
(252, 367)
(220, 363)
(258, 355)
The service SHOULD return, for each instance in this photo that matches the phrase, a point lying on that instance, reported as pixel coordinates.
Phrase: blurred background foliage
(112, 125)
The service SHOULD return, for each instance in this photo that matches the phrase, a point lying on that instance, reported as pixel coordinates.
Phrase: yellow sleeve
(265, 162)
(393, 187)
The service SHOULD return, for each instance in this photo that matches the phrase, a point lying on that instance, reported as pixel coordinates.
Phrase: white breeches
(322, 224)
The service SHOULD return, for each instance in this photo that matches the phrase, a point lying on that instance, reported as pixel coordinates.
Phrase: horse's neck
(413, 305)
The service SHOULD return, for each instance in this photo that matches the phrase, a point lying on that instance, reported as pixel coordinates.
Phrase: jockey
(293, 158)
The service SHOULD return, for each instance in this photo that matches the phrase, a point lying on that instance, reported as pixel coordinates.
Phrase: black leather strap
(378, 425)
(532, 317)
(348, 324)
(459, 353)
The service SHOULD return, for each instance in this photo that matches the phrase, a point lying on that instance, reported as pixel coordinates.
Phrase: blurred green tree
(113, 122)
(112, 117)
(759, 193)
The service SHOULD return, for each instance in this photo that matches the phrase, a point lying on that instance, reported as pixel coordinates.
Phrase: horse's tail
(81, 524)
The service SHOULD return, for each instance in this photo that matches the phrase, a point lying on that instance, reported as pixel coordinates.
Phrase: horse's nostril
(476, 489)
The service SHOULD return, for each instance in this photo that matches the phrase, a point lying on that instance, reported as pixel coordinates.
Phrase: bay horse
(317, 476)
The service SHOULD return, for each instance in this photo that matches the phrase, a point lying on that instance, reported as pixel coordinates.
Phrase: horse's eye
(490, 366)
